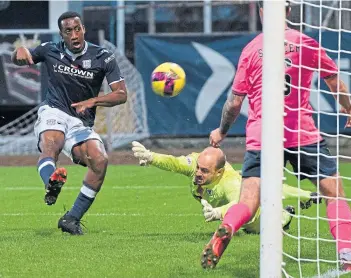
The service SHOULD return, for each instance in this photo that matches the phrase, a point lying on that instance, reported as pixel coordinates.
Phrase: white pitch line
(128, 187)
(32, 188)
(149, 187)
(19, 214)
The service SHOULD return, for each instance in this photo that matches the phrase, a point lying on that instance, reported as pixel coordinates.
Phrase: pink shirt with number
(248, 81)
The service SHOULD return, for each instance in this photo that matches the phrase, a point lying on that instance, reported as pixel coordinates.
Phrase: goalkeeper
(216, 184)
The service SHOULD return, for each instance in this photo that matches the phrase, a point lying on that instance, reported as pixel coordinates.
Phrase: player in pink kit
(300, 133)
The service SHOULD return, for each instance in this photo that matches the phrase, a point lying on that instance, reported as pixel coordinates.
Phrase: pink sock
(339, 217)
(236, 216)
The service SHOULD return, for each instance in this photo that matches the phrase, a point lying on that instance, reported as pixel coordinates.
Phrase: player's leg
(50, 132)
(85, 147)
(249, 200)
(238, 214)
(92, 154)
(339, 216)
(330, 184)
(253, 227)
(338, 210)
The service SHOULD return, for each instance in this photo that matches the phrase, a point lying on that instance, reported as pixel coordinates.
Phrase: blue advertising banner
(210, 64)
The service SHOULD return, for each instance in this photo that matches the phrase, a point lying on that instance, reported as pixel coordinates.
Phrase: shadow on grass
(45, 232)
(22, 233)
(223, 270)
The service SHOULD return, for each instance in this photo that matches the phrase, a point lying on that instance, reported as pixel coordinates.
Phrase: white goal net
(117, 126)
(309, 249)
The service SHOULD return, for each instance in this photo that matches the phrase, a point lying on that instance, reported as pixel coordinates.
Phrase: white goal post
(272, 146)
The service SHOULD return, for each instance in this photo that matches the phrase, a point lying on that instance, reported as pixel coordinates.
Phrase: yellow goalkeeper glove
(144, 155)
(210, 213)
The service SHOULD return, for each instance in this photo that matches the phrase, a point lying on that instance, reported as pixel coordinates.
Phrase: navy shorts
(308, 163)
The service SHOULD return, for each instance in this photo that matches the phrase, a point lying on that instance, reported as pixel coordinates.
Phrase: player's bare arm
(230, 112)
(335, 84)
(116, 97)
(21, 56)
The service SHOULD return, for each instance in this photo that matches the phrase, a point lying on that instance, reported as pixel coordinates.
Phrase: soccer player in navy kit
(76, 70)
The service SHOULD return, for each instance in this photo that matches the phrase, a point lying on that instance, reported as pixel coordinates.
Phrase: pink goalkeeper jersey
(248, 81)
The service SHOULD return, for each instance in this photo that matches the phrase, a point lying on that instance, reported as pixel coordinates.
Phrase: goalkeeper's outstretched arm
(185, 165)
(290, 192)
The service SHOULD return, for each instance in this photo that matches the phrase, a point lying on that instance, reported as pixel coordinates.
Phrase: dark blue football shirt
(75, 77)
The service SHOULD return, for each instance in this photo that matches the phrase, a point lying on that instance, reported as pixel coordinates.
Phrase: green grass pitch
(144, 223)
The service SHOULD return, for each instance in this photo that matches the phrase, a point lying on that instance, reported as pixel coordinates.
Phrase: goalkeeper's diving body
(216, 184)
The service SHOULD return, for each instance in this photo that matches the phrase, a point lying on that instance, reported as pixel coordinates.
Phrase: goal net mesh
(309, 248)
(117, 126)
